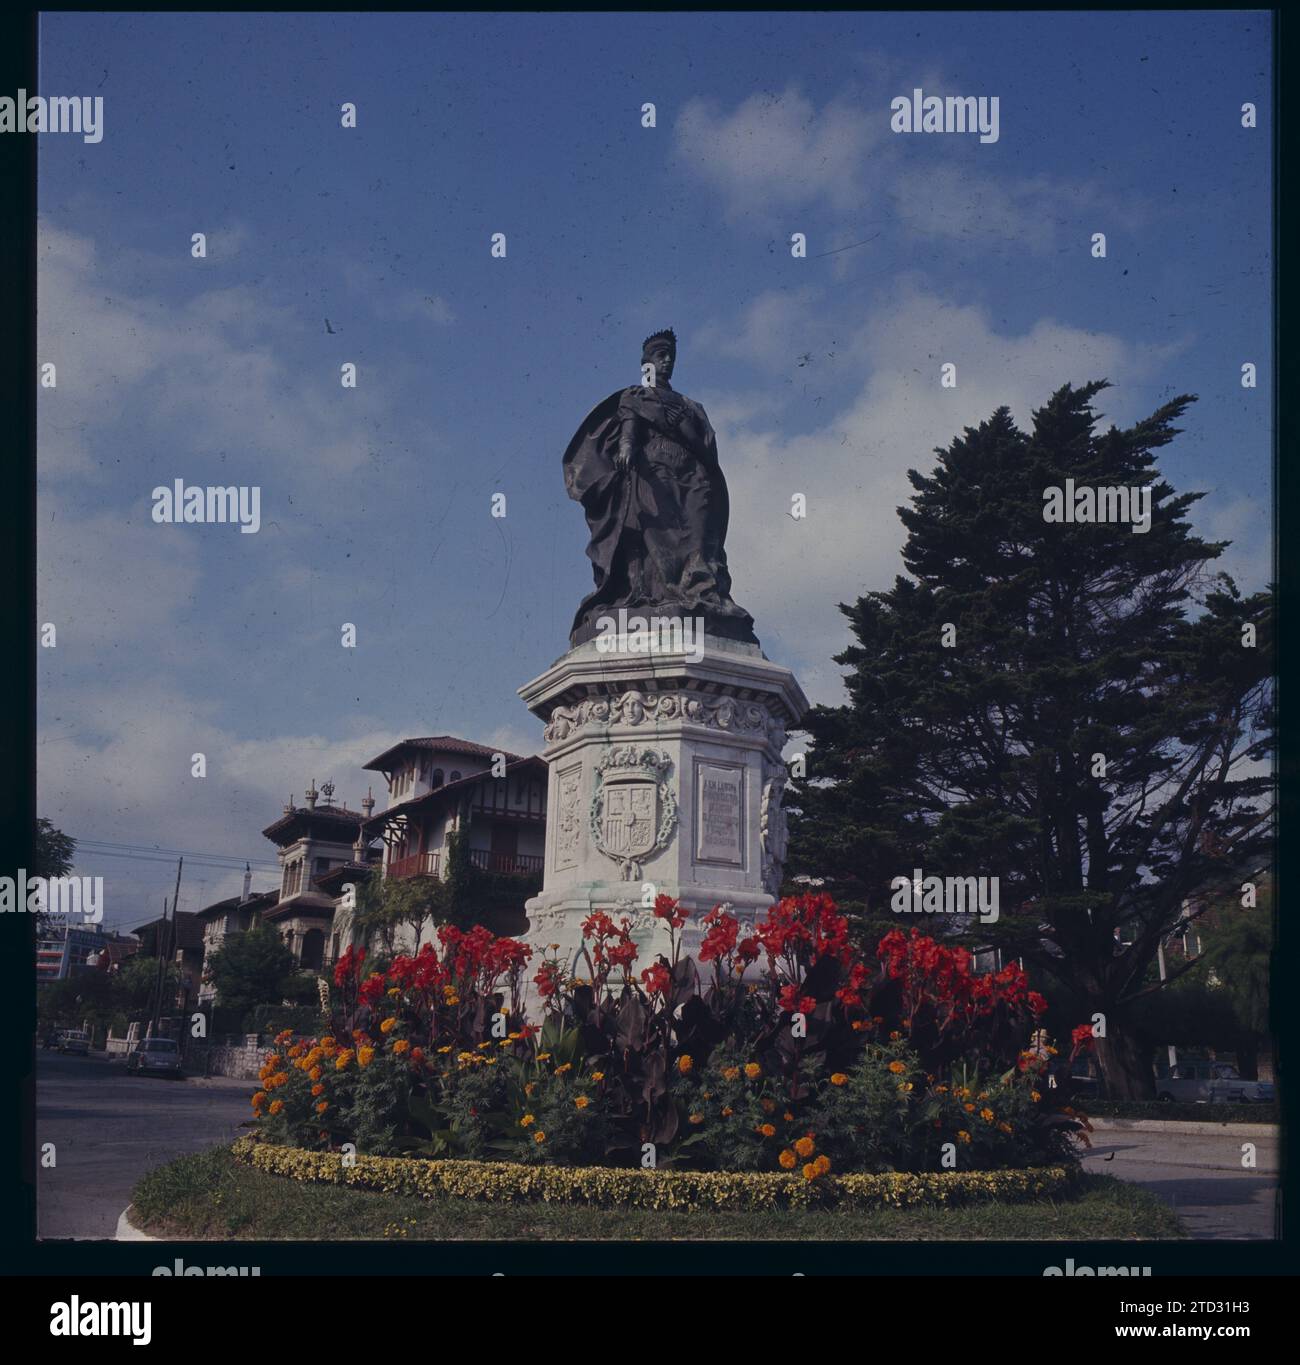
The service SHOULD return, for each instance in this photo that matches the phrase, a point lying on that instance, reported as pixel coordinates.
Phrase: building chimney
(248, 884)
(311, 795)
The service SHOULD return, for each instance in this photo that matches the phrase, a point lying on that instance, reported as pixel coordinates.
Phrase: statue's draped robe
(658, 526)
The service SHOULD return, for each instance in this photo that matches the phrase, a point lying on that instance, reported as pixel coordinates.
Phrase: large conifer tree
(1095, 734)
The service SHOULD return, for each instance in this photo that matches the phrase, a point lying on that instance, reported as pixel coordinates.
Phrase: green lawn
(210, 1195)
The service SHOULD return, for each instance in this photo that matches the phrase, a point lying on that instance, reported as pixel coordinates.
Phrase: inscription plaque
(719, 814)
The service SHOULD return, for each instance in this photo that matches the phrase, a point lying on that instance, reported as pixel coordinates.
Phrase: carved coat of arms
(633, 809)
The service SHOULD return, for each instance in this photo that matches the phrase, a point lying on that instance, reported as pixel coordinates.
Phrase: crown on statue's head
(667, 335)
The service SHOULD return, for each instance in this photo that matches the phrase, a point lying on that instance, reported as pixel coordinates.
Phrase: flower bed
(605, 1187)
(781, 1051)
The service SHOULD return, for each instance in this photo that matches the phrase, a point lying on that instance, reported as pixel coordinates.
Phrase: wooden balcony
(429, 864)
(416, 865)
(512, 864)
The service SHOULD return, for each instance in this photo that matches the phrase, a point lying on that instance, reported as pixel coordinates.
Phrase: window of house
(322, 867)
(437, 777)
(455, 776)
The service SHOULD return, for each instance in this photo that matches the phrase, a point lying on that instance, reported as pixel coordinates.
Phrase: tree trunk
(1125, 1064)
(1247, 1056)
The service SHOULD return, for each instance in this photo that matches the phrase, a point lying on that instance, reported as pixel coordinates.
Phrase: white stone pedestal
(666, 778)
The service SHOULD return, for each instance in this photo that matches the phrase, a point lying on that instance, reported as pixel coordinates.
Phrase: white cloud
(204, 379)
(852, 469)
(1248, 524)
(773, 151)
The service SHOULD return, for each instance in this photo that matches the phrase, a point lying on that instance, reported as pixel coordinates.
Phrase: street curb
(1191, 1126)
(127, 1230)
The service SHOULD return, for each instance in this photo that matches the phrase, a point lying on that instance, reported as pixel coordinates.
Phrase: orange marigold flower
(597, 1075)
(685, 1063)
(822, 1164)
(731, 1073)
(539, 1137)
(365, 1055)
(400, 1046)
(788, 1116)
(753, 1070)
(810, 1172)
(805, 1146)
(527, 1121)
(963, 1134)
(344, 1057)
(1035, 1096)
(897, 1068)
(727, 1111)
(766, 1129)
(388, 1025)
(566, 1066)
(787, 1160)
(259, 1099)
(315, 1073)
(322, 1106)
(581, 1102)
(969, 1108)
(839, 1078)
(318, 1089)
(276, 1106)
(1006, 1127)
(696, 1118)
(986, 1114)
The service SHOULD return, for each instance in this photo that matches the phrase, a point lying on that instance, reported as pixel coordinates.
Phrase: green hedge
(1165, 1109)
(608, 1187)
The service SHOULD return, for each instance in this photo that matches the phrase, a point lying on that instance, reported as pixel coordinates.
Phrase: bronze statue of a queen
(644, 466)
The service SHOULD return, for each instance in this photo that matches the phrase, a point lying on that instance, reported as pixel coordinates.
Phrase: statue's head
(660, 350)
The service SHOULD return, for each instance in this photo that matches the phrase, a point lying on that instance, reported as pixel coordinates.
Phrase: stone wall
(241, 1060)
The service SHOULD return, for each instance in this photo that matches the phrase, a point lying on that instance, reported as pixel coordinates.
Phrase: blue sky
(820, 375)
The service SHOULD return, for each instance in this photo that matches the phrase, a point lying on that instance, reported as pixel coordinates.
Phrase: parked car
(156, 1057)
(1211, 1083)
(74, 1040)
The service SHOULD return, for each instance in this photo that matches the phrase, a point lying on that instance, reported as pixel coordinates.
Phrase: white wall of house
(424, 770)
(306, 859)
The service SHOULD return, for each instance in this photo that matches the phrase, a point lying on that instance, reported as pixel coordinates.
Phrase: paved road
(109, 1128)
(1200, 1176)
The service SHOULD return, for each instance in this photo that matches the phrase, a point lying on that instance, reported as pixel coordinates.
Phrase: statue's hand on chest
(662, 408)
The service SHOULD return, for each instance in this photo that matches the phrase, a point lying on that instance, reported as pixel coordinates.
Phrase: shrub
(780, 1051)
(602, 1187)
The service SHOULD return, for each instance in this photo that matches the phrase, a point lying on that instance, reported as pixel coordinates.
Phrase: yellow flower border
(607, 1187)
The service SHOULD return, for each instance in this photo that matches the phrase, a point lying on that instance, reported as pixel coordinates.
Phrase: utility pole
(162, 947)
